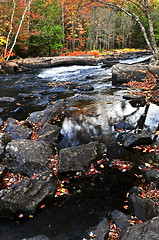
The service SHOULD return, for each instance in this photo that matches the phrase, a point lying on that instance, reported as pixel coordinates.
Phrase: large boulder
(49, 114)
(130, 140)
(16, 131)
(26, 195)
(143, 208)
(49, 133)
(143, 231)
(123, 73)
(27, 156)
(79, 158)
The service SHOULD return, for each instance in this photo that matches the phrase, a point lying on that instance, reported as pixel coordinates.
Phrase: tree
(48, 25)
(145, 7)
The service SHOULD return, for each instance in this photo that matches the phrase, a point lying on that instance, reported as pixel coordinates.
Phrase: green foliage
(47, 25)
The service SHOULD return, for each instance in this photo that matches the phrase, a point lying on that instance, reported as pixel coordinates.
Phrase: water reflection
(96, 120)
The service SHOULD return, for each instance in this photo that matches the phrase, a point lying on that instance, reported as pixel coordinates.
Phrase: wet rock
(49, 133)
(143, 208)
(86, 87)
(25, 196)
(121, 220)
(79, 158)
(2, 143)
(39, 237)
(123, 126)
(135, 100)
(155, 71)
(27, 157)
(1, 122)
(135, 139)
(138, 102)
(15, 131)
(24, 96)
(102, 229)
(7, 99)
(48, 114)
(151, 175)
(3, 171)
(123, 73)
(144, 231)
(109, 63)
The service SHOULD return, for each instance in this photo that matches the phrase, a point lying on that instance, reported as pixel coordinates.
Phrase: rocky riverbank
(36, 170)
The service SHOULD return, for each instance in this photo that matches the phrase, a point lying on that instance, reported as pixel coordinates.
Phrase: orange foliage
(94, 53)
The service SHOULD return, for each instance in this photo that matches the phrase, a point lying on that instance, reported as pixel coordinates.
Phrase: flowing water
(92, 115)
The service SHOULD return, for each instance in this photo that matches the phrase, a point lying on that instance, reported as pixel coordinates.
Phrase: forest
(32, 28)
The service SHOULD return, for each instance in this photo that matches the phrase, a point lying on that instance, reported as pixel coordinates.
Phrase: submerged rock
(50, 113)
(144, 231)
(79, 158)
(26, 195)
(7, 99)
(27, 156)
(15, 131)
(86, 87)
(123, 126)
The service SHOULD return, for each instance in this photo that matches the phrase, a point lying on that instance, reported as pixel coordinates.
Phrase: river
(92, 115)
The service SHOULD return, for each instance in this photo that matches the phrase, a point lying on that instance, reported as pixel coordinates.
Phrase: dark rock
(109, 63)
(86, 87)
(135, 190)
(15, 131)
(39, 237)
(1, 122)
(135, 100)
(144, 231)
(26, 195)
(137, 103)
(123, 125)
(49, 133)
(7, 99)
(123, 73)
(79, 158)
(143, 208)
(48, 114)
(101, 231)
(155, 71)
(151, 175)
(135, 139)
(2, 143)
(27, 156)
(24, 95)
(121, 220)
